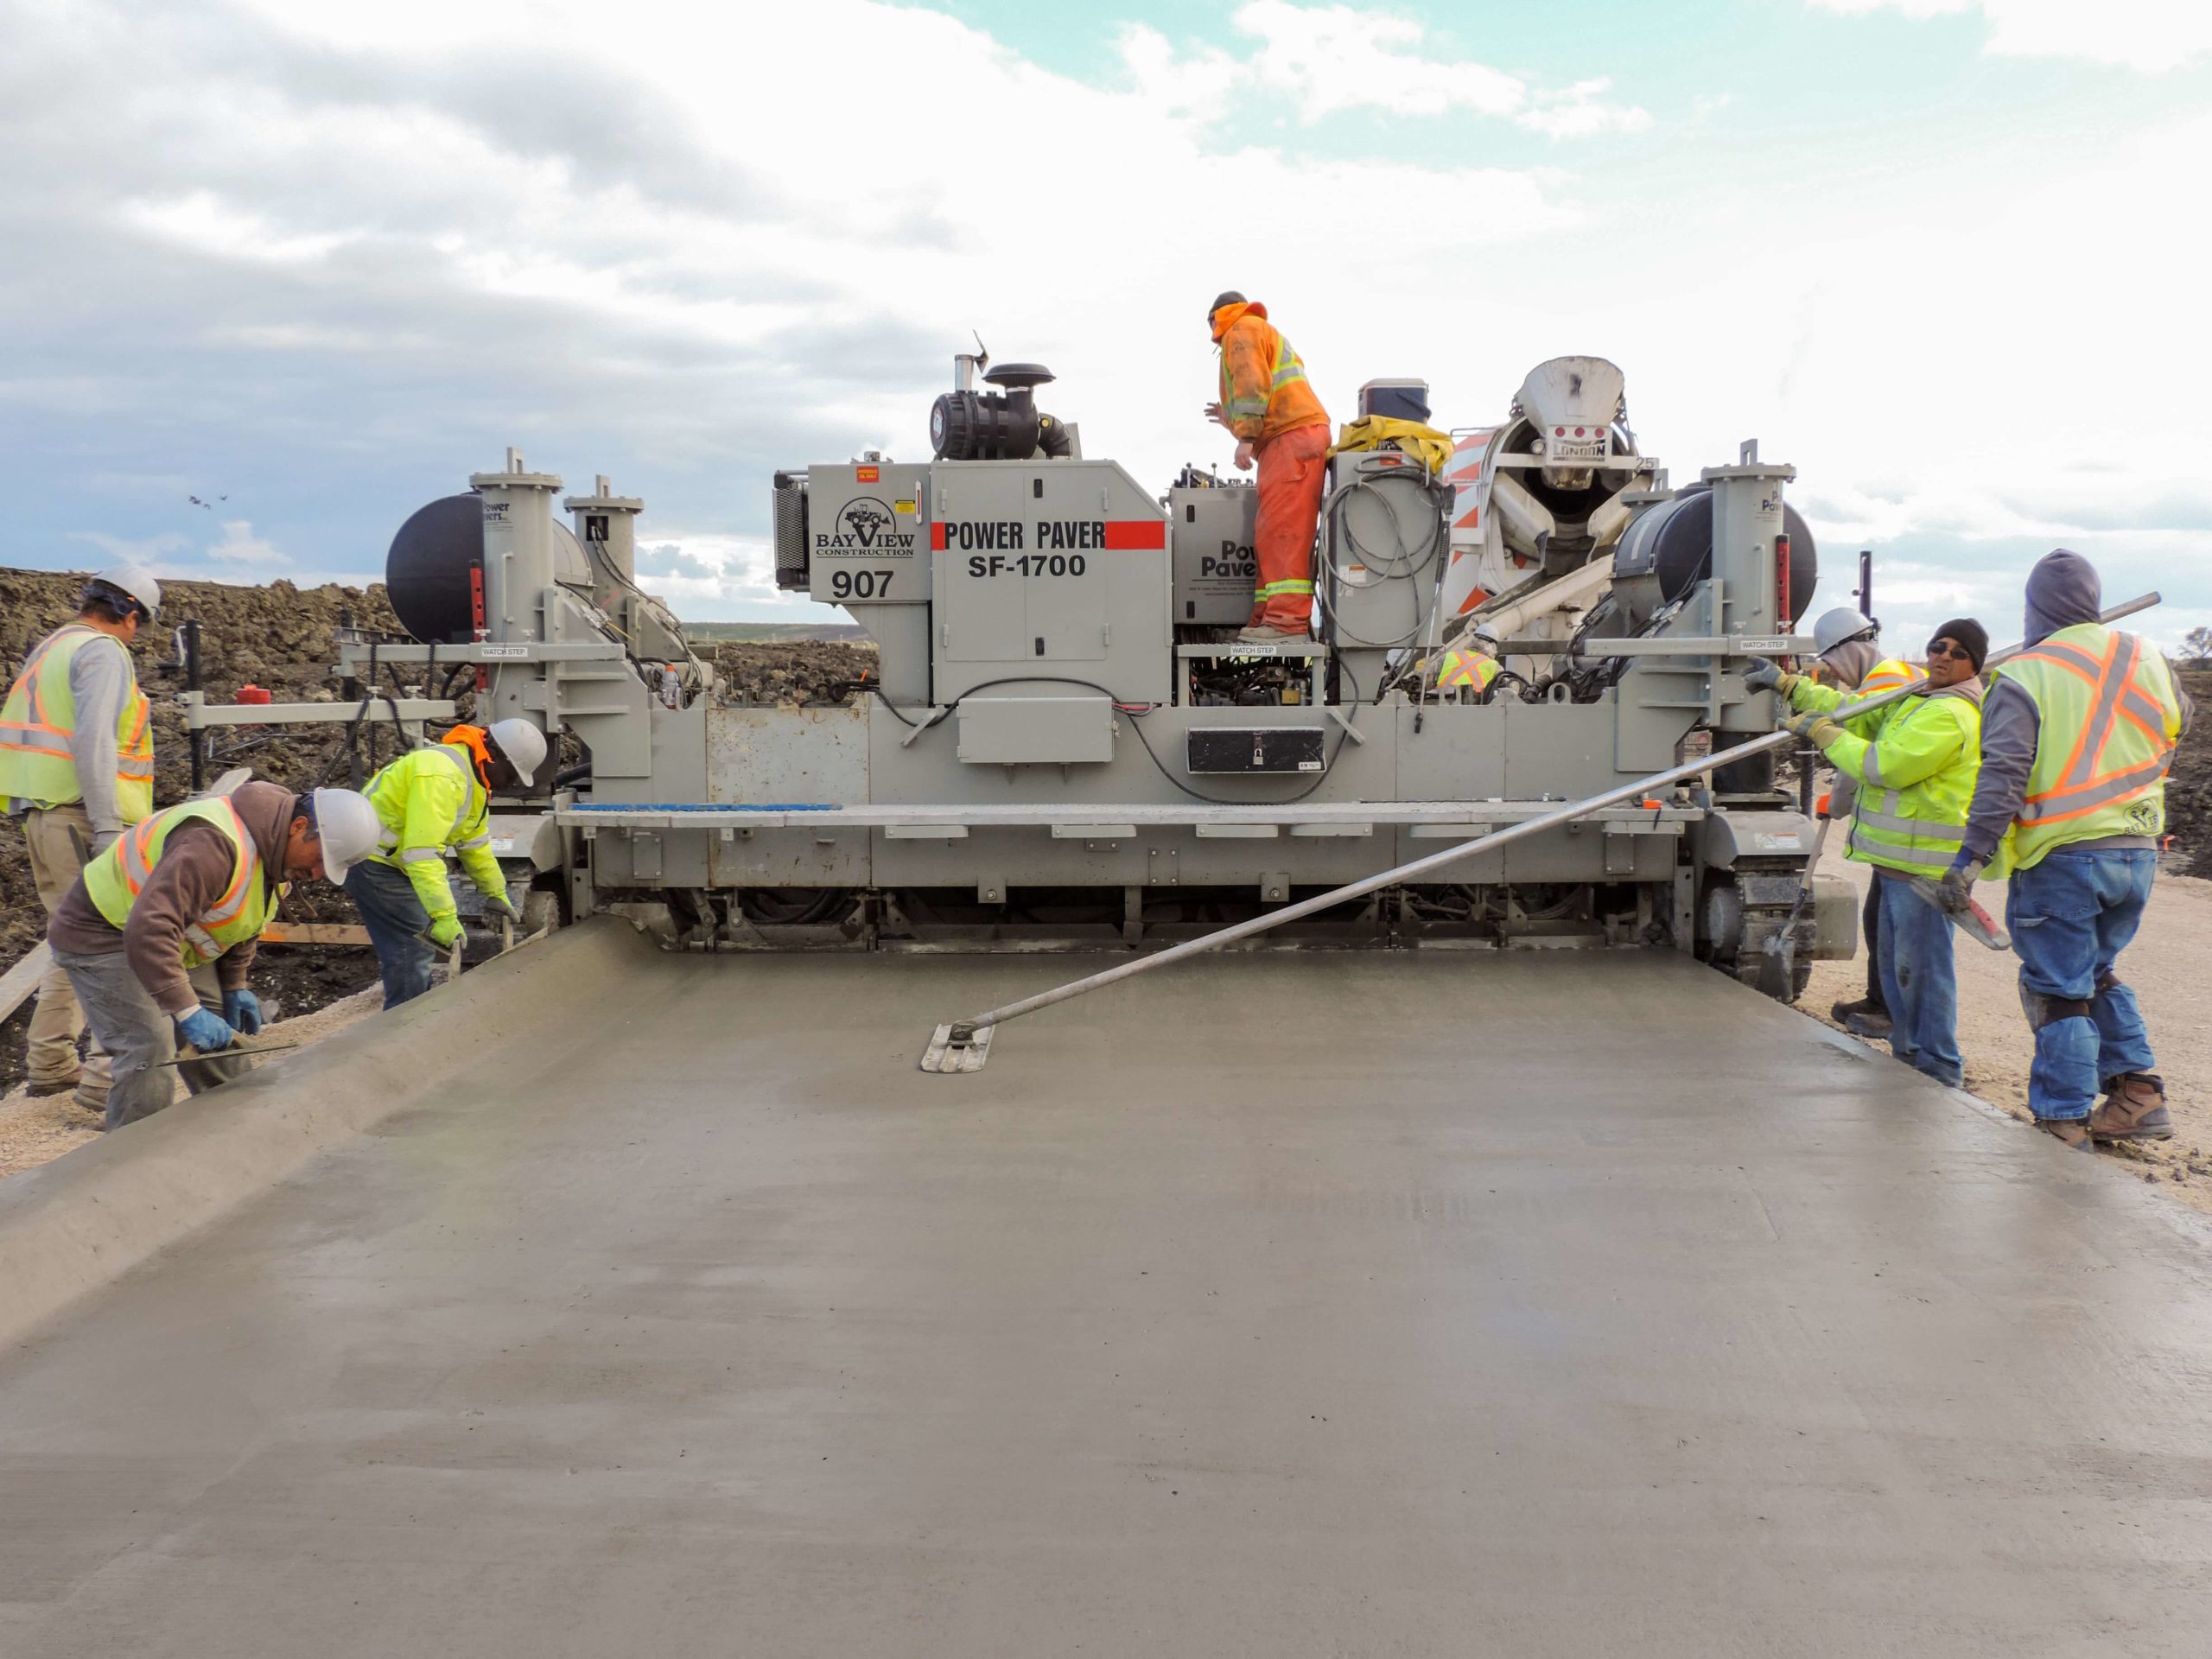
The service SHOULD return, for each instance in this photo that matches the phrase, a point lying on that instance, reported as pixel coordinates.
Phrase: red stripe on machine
(1126, 534)
(936, 536)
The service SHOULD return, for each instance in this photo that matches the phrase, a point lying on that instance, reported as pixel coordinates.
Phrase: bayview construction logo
(866, 527)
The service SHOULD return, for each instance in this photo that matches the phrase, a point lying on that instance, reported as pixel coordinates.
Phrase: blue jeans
(396, 919)
(2071, 916)
(1918, 982)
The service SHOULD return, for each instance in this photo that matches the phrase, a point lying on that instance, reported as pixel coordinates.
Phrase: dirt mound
(803, 671)
(2189, 788)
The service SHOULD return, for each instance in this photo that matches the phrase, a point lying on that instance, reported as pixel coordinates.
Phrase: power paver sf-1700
(1065, 745)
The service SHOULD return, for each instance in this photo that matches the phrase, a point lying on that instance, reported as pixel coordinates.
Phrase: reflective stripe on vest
(115, 878)
(39, 716)
(1469, 668)
(1289, 368)
(2102, 748)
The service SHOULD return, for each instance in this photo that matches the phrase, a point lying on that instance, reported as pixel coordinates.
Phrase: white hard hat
(1485, 634)
(1837, 626)
(133, 582)
(523, 745)
(348, 828)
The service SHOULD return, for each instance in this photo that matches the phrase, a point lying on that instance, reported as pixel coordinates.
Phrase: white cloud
(1327, 60)
(240, 546)
(2150, 36)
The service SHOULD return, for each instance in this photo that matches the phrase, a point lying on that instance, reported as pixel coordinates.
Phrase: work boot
(1865, 1018)
(1261, 633)
(2134, 1108)
(54, 1086)
(2073, 1131)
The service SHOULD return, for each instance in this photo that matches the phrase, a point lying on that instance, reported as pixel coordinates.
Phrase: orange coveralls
(1265, 398)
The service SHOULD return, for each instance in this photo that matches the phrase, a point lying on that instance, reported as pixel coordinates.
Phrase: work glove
(103, 839)
(243, 1009)
(498, 904)
(1955, 890)
(203, 1031)
(1770, 676)
(1817, 730)
(444, 931)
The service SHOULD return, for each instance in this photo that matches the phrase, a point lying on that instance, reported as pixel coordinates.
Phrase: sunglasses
(1945, 648)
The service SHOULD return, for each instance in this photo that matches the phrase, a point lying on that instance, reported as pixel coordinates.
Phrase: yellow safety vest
(2109, 721)
(39, 716)
(389, 790)
(115, 878)
(1456, 669)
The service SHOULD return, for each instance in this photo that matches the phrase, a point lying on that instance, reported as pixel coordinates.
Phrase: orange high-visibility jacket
(1264, 391)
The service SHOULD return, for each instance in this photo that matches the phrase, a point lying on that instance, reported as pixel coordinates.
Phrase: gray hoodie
(2062, 591)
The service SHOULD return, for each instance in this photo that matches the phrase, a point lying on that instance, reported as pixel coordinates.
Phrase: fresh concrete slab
(1231, 1312)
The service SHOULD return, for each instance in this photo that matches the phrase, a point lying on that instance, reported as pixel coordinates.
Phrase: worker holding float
(158, 933)
(433, 801)
(1281, 426)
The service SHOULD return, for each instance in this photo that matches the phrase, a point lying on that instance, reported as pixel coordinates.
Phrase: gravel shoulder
(2166, 966)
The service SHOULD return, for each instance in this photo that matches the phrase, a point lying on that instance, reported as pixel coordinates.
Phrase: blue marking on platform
(704, 806)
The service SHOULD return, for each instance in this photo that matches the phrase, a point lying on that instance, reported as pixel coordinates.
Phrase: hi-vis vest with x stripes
(2108, 721)
(389, 789)
(39, 718)
(115, 878)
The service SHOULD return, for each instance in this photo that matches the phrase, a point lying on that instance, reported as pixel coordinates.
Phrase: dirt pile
(2189, 788)
(803, 671)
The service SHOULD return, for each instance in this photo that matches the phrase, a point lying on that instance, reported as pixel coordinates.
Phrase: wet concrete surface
(1276, 1306)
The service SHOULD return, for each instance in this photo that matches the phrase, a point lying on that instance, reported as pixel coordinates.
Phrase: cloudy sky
(313, 263)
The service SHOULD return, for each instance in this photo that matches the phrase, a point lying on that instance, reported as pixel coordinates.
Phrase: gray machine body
(1043, 721)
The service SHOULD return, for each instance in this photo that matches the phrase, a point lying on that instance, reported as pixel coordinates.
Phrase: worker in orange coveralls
(1267, 403)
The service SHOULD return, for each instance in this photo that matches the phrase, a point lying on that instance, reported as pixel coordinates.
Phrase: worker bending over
(431, 801)
(1851, 660)
(1279, 424)
(158, 933)
(77, 769)
(2076, 738)
(1914, 763)
(1468, 669)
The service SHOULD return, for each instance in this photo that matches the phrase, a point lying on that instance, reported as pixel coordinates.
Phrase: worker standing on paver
(432, 801)
(158, 933)
(77, 768)
(1913, 764)
(1851, 659)
(2077, 737)
(1279, 425)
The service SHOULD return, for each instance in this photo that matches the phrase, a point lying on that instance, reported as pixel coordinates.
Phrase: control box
(1211, 530)
(1045, 574)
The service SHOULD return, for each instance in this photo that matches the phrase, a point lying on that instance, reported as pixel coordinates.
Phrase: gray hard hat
(128, 581)
(1839, 625)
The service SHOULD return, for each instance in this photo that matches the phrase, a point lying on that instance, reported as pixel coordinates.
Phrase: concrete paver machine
(1065, 745)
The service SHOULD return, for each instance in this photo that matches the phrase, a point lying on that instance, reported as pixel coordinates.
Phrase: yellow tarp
(1373, 431)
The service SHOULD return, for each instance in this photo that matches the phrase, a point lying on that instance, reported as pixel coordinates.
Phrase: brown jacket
(194, 871)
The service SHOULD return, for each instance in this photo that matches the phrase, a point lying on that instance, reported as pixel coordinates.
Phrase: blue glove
(243, 1009)
(204, 1030)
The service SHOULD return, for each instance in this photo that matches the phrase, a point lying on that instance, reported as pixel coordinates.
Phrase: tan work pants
(60, 839)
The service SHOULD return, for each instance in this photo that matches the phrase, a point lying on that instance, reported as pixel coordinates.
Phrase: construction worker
(1471, 666)
(77, 768)
(1281, 426)
(1913, 762)
(432, 801)
(158, 933)
(1850, 658)
(2076, 738)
